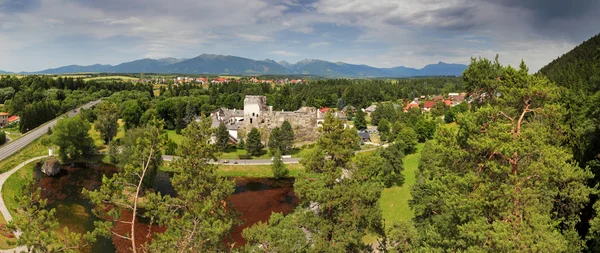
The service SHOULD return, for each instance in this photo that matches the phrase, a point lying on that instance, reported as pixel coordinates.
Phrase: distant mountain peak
(235, 65)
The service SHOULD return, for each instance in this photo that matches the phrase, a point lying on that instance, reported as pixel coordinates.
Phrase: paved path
(3, 208)
(12, 147)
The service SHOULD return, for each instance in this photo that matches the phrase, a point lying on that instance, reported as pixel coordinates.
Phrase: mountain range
(233, 65)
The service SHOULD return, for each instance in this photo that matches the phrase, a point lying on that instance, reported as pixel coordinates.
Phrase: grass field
(13, 184)
(98, 141)
(394, 200)
(256, 170)
(124, 78)
(174, 136)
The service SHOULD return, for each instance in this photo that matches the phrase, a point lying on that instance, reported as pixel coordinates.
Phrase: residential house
(370, 109)
(364, 136)
(428, 105)
(4, 119)
(13, 119)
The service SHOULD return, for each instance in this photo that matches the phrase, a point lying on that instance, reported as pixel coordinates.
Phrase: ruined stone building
(256, 113)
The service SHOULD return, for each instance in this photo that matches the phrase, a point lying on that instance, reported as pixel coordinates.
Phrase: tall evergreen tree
(253, 144)
(360, 122)
(502, 183)
(123, 190)
(200, 218)
(287, 137)
(222, 135)
(275, 139)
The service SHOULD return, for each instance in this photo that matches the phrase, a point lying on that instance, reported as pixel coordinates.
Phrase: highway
(14, 146)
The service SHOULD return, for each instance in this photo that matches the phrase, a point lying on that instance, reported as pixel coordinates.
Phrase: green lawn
(394, 200)
(13, 185)
(174, 136)
(124, 78)
(256, 170)
(13, 132)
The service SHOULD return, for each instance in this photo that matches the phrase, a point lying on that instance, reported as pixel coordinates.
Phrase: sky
(41, 34)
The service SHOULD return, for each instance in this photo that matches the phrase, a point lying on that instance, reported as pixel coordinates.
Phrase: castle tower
(254, 107)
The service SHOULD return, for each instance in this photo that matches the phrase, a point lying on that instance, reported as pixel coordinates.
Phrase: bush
(278, 168)
(171, 148)
(245, 157)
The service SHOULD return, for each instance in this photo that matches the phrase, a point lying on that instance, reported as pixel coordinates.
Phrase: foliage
(502, 183)
(222, 135)
(330, 187)
(360, 122)
(107, 115)
(275, 141)
(72, 137)
(171, 148)
(121, 193)
(384, 129)
(130, 154)
(253, 144)
(199, 218)
(287, 137)
(2, 137)
(384, 111)
(131, 114)
(241, 144)
(280, 234)
(38, 226)
(279, 169)
(425, 129)
(409, 137)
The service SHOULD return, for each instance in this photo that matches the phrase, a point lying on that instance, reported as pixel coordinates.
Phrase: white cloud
(319, 44)
(305, 30)
(254, 37)
(283, 53)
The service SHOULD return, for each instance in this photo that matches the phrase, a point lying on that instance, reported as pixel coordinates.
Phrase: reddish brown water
(254, 199)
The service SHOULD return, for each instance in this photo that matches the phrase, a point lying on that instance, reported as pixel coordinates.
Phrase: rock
(51, 167)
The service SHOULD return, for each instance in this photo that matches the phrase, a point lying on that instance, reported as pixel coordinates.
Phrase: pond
(254, 199)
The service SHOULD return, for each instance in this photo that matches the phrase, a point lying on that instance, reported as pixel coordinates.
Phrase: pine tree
(200, 218)
(38, 226)
(222, 135)
(124, 189)
(278, 167)
(287, 137)
(502, 182)
(253, 144)
(360, 122)
(275, 139)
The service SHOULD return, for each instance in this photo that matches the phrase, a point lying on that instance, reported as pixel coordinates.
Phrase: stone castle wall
(258, 114)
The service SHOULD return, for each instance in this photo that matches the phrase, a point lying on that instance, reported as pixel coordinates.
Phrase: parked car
(226, 161)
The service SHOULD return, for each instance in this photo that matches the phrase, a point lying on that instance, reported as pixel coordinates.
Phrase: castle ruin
(256, 113)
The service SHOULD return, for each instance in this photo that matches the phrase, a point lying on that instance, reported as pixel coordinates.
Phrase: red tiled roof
(324, 109)
(409, 106)
(4, 113)
(429, 104)
(448, 102)
(13, 118)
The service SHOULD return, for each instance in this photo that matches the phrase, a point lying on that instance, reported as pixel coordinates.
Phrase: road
(12, 147)
(242, 162)
(5, 213)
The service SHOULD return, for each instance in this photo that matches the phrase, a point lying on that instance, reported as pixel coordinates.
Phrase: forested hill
(233, 65)
(579, 68)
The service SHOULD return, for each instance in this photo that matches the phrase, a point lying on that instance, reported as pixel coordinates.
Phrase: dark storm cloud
(546, 10)
(454, 18)
(574, 20)
(15, 6)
